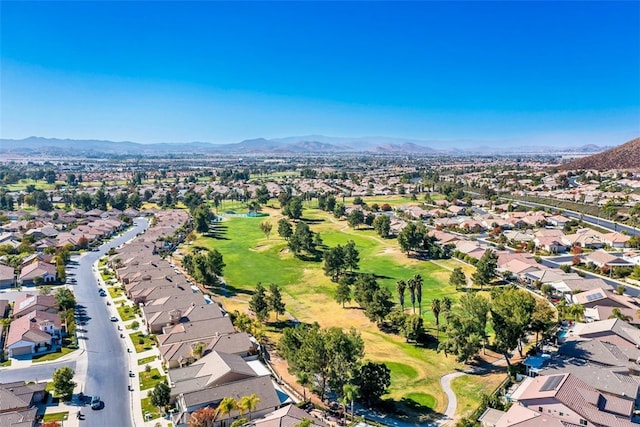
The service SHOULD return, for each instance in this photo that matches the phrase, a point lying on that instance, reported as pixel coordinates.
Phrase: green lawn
(142, 342)
(56, 416)
(147, 407)
(146, 360)
(126, 312)
(308, 294)
(115, 291)
(469, 390)
(51, 356)
(150, 379)
(6, 363)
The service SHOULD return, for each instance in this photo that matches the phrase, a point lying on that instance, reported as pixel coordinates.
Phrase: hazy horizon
(510, 73)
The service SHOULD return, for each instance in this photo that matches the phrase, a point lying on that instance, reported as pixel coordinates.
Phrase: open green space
(115, 292)
(309, 296)
(470, 388)
(126, 312)
(142, 342)
(148, 408)
(150, 379)
(146, 360)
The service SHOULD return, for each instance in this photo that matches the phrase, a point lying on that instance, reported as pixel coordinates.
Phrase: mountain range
(278, 146)
(625, 156)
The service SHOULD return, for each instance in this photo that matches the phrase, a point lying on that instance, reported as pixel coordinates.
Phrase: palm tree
(411, 284)
(562, 308)
(225, 407)
(350, 393)
(577, 311)
(401, 285)
(436, 307)
(249, 403)
(418, 280)
(446, 307)
(303, 380)
(617, 314)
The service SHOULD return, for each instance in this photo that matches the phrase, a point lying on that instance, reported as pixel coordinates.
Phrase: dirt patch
(284, 251)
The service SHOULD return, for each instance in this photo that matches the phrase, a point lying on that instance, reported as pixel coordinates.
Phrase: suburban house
(36, 269)
(18, 402)
(567, 399)
(287, 416)
(34, 332)
(7, 276)
(182, 353)
(26, 303)
(189, 401)
(606, 259)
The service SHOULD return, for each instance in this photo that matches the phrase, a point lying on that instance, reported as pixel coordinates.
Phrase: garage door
(21, 351)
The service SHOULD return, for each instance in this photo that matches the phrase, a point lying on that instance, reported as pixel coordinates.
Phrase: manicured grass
(142, 342)
(56, 416)
(309, 296)
(126, 313)
(147, 407)
(146, 360)
(469, 390)
(6, 363)
(150, 379)
(115, 292)
(51, 356)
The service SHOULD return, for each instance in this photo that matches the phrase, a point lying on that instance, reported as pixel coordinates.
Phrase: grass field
(56, 416)
(148, 408)
(126, 312)
(150, 379)
(146, 360)
(142, 342)
(308, 294)
(51, 356)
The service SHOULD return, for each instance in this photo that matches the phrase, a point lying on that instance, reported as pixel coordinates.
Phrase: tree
(436, 307)
(226, 406)
(617, 314)
(380, 305)
(355, 218)
(202, 218)
(401, 286)
(65, 299)
(293, 209)
(465, 331)
(274, 300)
(284, 229)
(266, 227)
(63, 383)
(418, 282)
(160, 395)
(458, 278)
(204, 417)
(511, 313)
(486, 268)
(411, 236)
(343, 292)
(382, 225)
(262, 194)
(334, 262)
(412, 328)
(543, 319)
(577, 311)
(411, 284)
(372, 379)
(350, 392)
(249, 403)
(351, 256)
(258, 303)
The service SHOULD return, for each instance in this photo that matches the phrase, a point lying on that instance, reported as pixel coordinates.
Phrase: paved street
(106, 368)
(101, 365)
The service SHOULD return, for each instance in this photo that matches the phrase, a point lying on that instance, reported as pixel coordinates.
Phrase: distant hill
(298, 145)
(625, 156)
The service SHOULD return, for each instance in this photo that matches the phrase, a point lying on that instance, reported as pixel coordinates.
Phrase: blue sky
(501, 72)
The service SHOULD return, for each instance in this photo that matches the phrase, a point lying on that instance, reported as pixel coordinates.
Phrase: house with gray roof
(287, 416)
(181, 353)
(262, 386)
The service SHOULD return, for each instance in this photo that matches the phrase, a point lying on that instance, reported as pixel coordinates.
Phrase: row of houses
(206, 358)
(592, 379)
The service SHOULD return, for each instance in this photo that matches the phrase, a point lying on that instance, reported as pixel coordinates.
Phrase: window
(539, 408)
(561, 414)
(583, 422)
